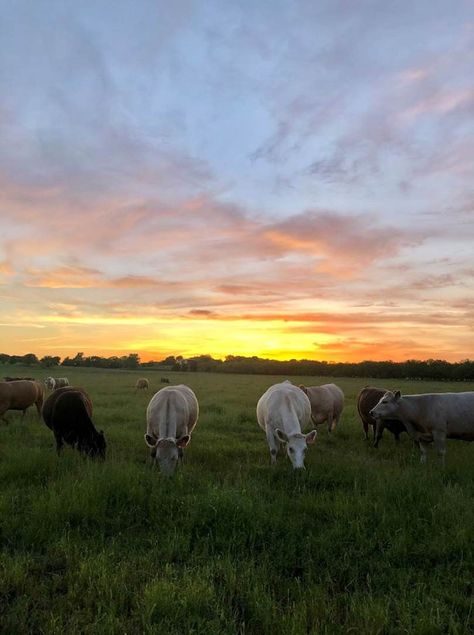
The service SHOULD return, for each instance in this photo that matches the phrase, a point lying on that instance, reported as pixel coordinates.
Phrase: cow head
(166, 451)
(296, 446)
(388, 406)
(95, 445)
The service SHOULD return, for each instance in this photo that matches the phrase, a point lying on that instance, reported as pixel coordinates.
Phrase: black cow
(67, 412)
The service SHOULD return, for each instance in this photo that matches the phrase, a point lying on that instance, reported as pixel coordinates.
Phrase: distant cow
(283, 411)
(67, 412)
(327, 402)
(19, 378)
(52, 383)
(171, 417)
(164, 380)
(142, 384)
(431, 417)
(20, 395)
(366, 400)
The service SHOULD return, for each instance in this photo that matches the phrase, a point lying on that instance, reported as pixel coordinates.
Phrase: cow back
(50, 403)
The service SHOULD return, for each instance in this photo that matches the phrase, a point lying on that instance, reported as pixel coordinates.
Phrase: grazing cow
(327, 402)
(432, 417)
(53, 383)
(171, 417)
(283, 411)
(20, 395)
(142, 384)
(67, 412)
(164, 380)
(366, 400)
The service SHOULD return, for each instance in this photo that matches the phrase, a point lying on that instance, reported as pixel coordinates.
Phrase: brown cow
(20, 395)
(367, 399)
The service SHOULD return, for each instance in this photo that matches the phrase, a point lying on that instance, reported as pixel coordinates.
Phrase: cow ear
(150, 441)
(281, 436)
(311, 437)
(397, 395)
(303, 388)
(183, 441)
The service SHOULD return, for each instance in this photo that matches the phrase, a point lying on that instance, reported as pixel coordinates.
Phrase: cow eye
(291, 449)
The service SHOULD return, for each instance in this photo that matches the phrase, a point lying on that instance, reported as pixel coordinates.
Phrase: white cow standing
(327, 403)
(283, 411)
(431, 417)
(171, 416)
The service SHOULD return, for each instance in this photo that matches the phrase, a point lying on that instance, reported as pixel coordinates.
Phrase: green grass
(363, 541)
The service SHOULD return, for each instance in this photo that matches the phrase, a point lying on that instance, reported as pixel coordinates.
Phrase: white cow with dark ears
(171, 416)
(283, 411)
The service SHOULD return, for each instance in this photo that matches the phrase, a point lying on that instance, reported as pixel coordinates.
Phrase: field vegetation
(363, 541)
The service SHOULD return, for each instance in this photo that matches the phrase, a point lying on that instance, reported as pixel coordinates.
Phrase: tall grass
(363, 541)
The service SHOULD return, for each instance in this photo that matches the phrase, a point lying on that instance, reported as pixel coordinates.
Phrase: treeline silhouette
(437, 369)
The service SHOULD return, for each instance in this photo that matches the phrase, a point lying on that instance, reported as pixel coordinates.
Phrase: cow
(20, 395)
(142, 384)
(19, 378)
(164, 380)
(367, 398)
(67, 412)
(171, 417)
(53, 383)
(327, 402)
(282, 412)
(430, 417)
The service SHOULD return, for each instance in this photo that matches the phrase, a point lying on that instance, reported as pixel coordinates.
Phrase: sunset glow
(287, 180)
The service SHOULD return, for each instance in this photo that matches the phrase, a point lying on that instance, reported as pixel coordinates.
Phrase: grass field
(363, 541)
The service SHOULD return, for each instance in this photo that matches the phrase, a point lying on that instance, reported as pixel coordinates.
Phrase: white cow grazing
(56, 382)
(282, 411)
(430, 417)
(327, 402)
(171, 417)
(49, 383)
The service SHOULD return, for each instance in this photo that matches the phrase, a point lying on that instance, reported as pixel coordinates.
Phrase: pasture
(363, 541)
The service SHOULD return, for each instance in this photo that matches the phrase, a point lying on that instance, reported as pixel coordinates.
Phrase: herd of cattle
(283, 412)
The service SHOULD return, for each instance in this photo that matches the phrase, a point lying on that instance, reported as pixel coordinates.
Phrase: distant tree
(29, 359)
(48, 361)
(130, 361)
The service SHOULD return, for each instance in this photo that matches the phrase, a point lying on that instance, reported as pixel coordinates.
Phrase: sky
(288, 179)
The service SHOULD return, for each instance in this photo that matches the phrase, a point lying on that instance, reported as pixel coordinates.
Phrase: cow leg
(59, 442)
(366, 430)
(330, 420)
(378, 432)
(423, 449)
(273, 444)
(439, 439)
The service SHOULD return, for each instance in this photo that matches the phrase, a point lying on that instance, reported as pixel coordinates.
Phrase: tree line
(435, 369)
